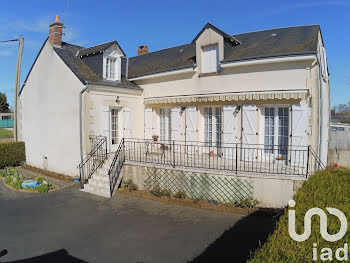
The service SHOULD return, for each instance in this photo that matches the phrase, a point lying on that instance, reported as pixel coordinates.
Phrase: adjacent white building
(262, 88)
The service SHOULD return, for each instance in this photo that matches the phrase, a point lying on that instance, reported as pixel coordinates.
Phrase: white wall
(50, 114)
(97, 99)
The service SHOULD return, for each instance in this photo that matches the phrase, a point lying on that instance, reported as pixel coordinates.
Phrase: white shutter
(299, 125)
(210, 59)
(191, 127)
(249, 131)
(229, 132)
(298, 153)
(175, 123)
(104, 123)
(148, 123)
(104, 128)
(127, 123)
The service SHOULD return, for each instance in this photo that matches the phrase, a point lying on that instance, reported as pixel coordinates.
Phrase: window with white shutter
(165, 124)
(210, 59)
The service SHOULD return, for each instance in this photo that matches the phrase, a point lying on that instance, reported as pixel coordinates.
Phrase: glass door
(114, 130)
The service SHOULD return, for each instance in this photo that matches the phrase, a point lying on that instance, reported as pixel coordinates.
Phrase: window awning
(238, 96)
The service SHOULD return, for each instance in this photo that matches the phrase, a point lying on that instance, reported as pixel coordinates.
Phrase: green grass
(5, 133)
(329, 188)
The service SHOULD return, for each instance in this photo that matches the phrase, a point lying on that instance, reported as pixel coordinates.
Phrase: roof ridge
(160, 50)
(72, 44)
(255, 31)
(98, 44)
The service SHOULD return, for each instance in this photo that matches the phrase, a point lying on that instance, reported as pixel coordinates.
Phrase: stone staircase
(98, 184)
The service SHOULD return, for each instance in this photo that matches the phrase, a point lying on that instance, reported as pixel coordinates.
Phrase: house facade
(267, 90)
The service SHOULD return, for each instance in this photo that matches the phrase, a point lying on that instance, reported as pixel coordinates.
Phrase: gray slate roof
(86, 63)
(86, 70)
(98, 48)
(254, 45)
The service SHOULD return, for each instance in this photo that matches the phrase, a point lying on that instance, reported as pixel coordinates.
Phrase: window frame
(216, 126)
(164, 124)
(108, 68)
(277, 150)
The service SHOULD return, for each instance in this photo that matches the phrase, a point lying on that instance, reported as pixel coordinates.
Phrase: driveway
(73, 226)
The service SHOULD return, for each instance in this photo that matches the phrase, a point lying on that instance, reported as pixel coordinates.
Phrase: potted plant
(155, 138)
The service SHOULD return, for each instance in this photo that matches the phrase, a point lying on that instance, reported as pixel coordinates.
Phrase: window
(165, 124)
(6, 117)
(276, 130)
(110, 68)
(210, 59)
(212, 126)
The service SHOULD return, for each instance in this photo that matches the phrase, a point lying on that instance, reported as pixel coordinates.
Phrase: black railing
(116, 166)
(94, 159)
(268, 159)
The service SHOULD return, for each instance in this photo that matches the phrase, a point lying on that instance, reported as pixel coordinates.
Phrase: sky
(162, 24)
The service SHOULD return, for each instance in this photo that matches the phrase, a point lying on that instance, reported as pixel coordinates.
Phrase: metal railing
(94, 159)
(237, 158)
(116, 166)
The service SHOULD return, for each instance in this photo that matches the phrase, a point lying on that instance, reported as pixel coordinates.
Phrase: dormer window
(111, 68)
(210, 59)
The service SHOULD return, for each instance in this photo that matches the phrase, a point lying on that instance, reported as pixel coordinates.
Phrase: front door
(114, 131)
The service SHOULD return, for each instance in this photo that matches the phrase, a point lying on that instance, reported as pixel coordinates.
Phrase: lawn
(329, 188)
(5, 133)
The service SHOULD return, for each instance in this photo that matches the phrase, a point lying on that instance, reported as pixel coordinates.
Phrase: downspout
(81, 126)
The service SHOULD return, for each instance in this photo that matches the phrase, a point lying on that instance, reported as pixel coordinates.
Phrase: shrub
(40, 179)
(130, 185)
(247, 203)
(12, 154)
(329, 188)
(180, 195)
(44, 188)
(157, 191)
(166, 192)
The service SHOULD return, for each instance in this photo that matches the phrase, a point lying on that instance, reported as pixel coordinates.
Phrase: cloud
(38, 26)
(6, 53)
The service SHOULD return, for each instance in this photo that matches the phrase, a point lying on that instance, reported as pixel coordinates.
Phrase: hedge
(12, 154)
(329, 188)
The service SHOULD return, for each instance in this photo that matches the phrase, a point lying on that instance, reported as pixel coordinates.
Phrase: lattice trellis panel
(223, 189)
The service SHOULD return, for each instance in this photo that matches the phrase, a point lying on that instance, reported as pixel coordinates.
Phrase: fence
(94, 159)
(6, 123)
(270, 159)
(201, 186)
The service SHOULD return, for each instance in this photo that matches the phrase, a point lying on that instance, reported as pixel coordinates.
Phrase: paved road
(72, 226)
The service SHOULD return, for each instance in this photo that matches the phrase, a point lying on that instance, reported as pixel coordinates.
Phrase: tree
(4, 106)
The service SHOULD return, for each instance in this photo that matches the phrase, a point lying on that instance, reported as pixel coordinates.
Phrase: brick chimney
(55, 33)
(142, 50)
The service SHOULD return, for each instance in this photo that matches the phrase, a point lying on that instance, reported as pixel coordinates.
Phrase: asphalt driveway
(72, 226)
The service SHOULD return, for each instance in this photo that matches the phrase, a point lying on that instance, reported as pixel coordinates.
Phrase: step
(104, 169)
(99, 183)
(100, 177)
(93, 189)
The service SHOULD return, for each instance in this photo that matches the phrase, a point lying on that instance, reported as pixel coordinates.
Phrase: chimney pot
(55, 32)
(142, 50)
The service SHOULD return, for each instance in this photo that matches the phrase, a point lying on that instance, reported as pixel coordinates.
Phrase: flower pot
(155, 139)
(211, 154)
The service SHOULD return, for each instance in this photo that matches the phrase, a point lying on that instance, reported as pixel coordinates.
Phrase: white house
(265, 92)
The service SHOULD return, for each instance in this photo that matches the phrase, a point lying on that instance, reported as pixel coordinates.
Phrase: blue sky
(162, 24)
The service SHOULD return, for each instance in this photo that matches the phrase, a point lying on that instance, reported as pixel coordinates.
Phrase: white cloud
(38, 26)
(6, 53)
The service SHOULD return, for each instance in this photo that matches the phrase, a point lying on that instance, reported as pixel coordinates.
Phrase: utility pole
(17, 81)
